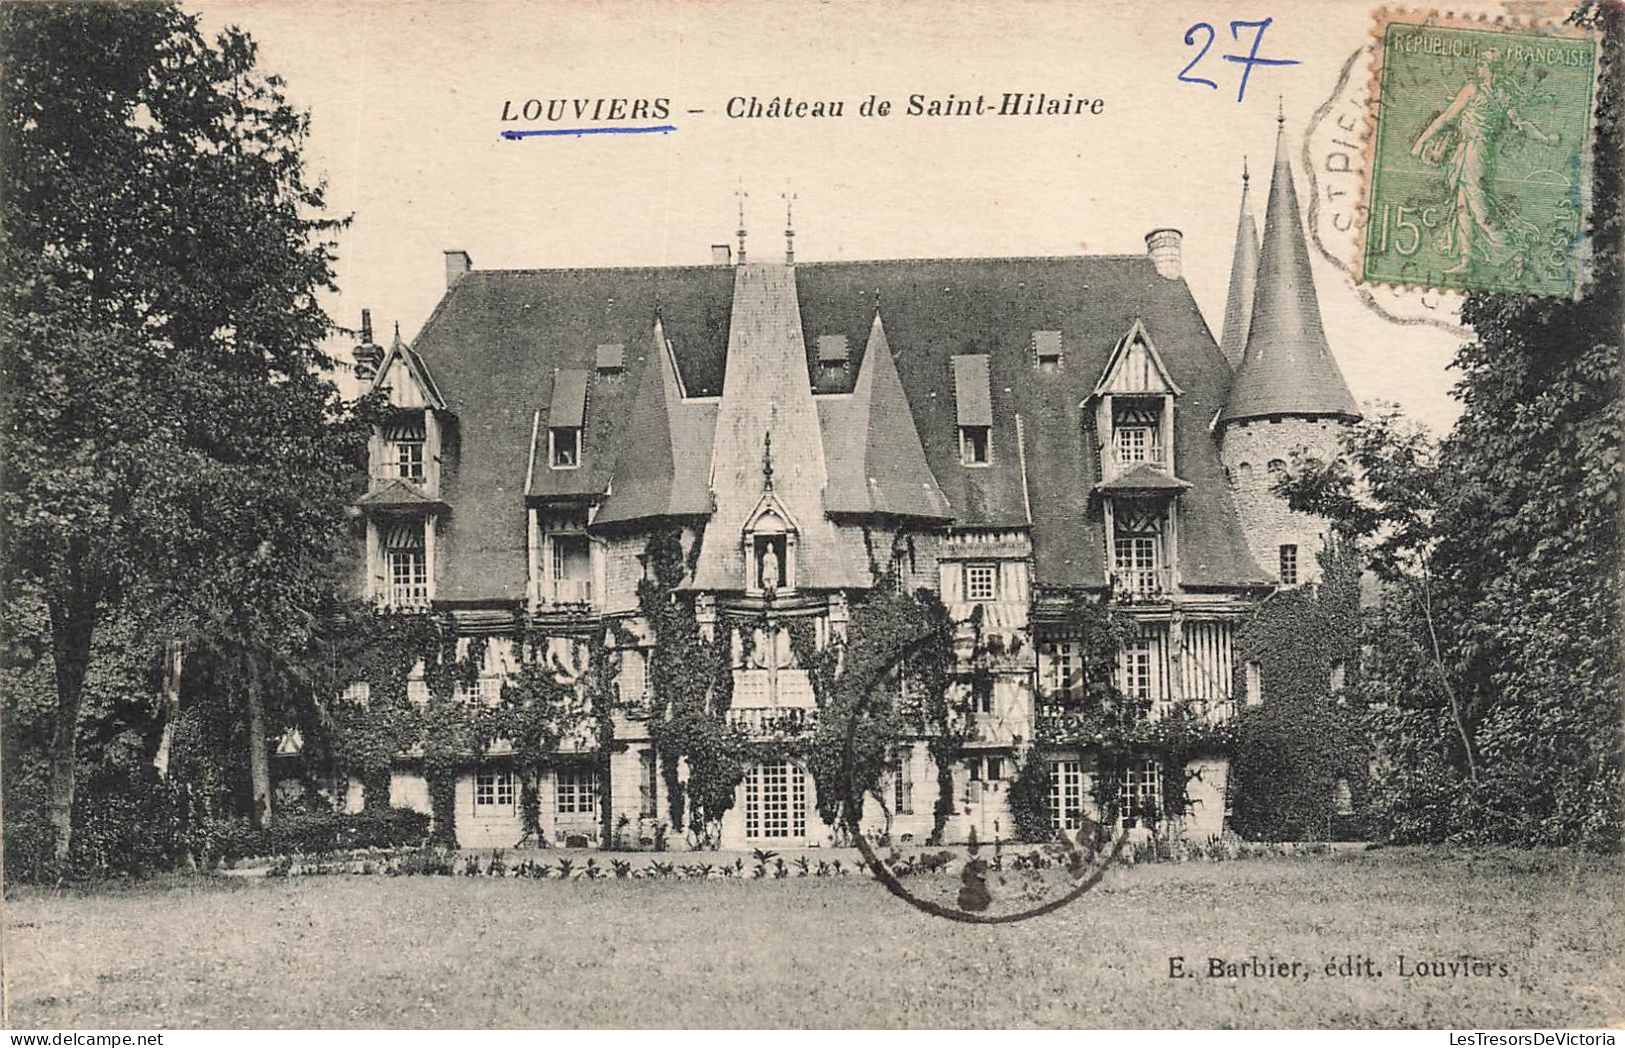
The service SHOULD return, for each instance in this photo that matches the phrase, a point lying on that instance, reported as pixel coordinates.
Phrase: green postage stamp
(1479, 168)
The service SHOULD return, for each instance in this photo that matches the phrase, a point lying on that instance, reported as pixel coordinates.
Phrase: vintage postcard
(902, 516)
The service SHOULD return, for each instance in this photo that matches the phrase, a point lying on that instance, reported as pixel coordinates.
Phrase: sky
(406, 102)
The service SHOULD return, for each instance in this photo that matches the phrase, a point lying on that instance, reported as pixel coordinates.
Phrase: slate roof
(497, 337)
(1288, 368)
(1238, 305)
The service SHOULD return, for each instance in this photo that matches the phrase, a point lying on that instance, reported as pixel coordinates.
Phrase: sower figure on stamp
(1478, 111)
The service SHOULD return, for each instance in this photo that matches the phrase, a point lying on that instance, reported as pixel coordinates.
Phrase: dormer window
(409, 459)
(406, 566)
(1047, 350)
(974, 442)
(404, 447)
(564, 447)
(973, 401)
(1137, 432)
(833, 355)
(565, 418)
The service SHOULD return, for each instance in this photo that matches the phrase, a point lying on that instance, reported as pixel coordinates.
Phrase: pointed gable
(884, 470)
(766, 389)
(1135, 367)
(1287, 368)
(661, 471)
(404, 374)
(1238, 308)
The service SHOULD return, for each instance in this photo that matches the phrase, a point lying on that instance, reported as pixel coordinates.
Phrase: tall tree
(1504, 544)
(171, 440)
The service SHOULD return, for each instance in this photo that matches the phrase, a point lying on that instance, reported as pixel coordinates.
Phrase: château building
(1015, 434)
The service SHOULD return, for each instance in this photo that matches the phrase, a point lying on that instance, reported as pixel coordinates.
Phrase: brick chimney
(457, 266)
(369, 354)
(721, 255)
(1163, 247)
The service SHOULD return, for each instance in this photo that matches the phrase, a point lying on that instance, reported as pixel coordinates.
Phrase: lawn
(466, 952)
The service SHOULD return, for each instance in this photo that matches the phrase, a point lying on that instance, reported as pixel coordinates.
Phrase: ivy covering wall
(1290, 753)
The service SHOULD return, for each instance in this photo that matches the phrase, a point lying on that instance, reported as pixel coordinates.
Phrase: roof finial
(789, 225)
(767, 461)
(740, 195)
(366, 327)
(1280, 112)
(1244, 175)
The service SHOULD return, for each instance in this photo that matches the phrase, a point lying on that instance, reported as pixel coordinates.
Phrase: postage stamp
(1479, 165)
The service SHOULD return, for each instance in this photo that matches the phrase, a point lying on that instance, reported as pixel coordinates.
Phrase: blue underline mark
(576, 132)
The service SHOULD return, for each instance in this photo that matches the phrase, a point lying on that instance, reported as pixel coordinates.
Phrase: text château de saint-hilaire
(1010, 103)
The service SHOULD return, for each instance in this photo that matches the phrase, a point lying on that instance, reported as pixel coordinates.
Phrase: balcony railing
(771, 722)
(1153, 458)
(572, 591)
(1143, 582)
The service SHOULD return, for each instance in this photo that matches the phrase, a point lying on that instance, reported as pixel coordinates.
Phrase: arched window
(1277, 466)
(1244, 473)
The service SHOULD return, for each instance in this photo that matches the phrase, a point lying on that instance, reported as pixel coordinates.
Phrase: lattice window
(775, 801)
(1060, 670)
(408, 577)
(981, 583)
(1140, 667)
(493, 790)
(1289, 564)
(1139, 789)
(902, 788)
(576, 792)
(1065, 794)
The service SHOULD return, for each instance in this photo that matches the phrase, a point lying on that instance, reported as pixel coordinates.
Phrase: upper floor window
(1289, 564)
(1060, 670)
(486, 690)
(975, 445)
(1277, 466)
(564, 447)
(571, 557)
(981, 583)
(1138, 563)
(408, 577)
(1136, 444)
(1137, 431)
(409, 459)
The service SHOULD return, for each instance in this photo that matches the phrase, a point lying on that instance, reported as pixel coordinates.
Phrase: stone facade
(1001, 440)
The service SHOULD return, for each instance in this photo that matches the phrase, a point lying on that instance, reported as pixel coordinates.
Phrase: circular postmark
(1333, 161)
(1012, 884)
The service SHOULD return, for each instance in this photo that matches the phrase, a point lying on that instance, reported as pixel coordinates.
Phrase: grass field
(456, 952)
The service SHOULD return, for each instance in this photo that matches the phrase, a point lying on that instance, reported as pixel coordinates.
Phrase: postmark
(1478, 167)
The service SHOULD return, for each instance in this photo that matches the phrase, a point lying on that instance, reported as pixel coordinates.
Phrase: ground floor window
(1140, 790)
(647, 777)
(1065, 794)
(493, 792)
(902, 788)
(577, 792)
(775, 801)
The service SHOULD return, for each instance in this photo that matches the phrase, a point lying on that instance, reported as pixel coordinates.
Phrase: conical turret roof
(1287, 368)
(1238, 309)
